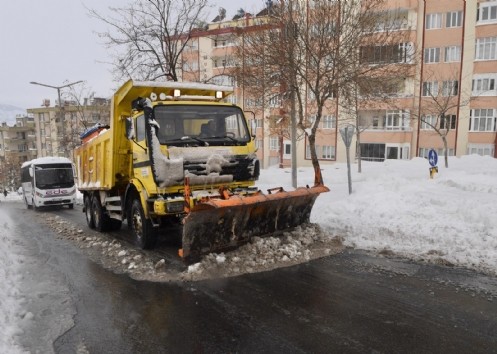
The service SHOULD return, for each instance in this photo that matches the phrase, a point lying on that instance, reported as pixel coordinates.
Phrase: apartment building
(18, 142)
(58, 127)
(456, 43)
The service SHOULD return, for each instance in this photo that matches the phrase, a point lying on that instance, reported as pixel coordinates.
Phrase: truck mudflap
(217, 225)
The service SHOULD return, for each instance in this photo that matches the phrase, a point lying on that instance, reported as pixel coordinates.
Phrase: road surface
(354, 302)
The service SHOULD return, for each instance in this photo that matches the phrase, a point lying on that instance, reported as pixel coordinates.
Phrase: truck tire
(101, 220)
(144, 232)
(89, 213)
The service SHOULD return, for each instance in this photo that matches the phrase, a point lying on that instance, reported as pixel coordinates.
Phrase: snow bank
(395, 206)
(11, 299)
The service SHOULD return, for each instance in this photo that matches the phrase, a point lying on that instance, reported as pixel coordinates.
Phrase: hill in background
(8, 113)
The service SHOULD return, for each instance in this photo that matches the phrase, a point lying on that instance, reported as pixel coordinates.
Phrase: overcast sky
(53, 42)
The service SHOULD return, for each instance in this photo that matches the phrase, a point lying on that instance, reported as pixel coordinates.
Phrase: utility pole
(61, 106)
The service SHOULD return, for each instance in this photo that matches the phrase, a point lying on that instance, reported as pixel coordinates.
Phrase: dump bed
(97, 162)
(103, 161)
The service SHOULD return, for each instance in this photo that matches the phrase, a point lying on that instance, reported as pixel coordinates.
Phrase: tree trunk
(314, 157)
(446, 152)
(358, 151)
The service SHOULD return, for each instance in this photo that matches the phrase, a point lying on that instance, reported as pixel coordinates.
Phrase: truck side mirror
(253, 127)
(253, 124)
(130, 131)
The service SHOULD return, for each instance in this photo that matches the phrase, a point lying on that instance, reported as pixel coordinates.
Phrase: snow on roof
(182, 85)
(47, 160)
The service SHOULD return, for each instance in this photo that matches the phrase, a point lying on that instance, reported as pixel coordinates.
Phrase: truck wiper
(183, 138)
(236, 141)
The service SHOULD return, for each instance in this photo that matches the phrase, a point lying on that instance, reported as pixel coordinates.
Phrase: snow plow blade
(222, 224)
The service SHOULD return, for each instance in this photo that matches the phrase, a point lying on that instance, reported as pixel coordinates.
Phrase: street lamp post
(61, 108)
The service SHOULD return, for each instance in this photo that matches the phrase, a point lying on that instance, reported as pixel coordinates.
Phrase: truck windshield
(54, 176)
(216, 125)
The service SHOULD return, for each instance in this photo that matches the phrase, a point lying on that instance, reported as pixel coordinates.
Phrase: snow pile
(396, 208)
(11, 299)
(261, 254)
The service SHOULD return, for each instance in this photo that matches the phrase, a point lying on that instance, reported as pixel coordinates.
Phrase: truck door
(141, 161)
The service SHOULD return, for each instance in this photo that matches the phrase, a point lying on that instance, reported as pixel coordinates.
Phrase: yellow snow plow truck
(174, 152)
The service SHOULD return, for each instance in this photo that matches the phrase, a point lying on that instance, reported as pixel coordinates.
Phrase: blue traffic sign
(432, 157)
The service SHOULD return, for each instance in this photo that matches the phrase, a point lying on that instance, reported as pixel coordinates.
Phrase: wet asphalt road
(352, 302)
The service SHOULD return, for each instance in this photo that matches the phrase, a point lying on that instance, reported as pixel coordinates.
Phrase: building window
(484, 85)
(224, 42)
(448, 122)
(487, 12)
(287, 150)
(224, 62)
(433, 21)
(275, 101)
(372, 152)
(249, 102)
(481, 149)
(224, 80)
(486, 48)
(328, 152)
(231, 99)
(258, 143)
(428, 122)
(432, 55)
(482, 120)
(190, 66)
(397, 120)
(385, 54)
(450, 88)
(329, 122)
(430, 88)
(274, 143)
(259, 123)
(452, 53)
(423, 152)
(191, 45)
(453, 19)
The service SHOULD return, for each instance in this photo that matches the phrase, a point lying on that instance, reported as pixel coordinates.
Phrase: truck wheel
(100, 219)
(89, 213)
(71, 206)
(142, 228)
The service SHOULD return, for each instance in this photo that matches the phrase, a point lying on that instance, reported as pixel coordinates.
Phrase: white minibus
(48, 181)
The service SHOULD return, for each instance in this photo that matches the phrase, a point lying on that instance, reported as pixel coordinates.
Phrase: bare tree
(314, 53)
(82, 111)
(441, 98)
(146, 36)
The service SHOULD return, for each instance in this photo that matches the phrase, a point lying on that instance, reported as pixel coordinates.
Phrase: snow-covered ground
(394, 208)
(11, 299)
